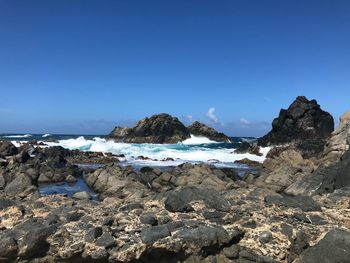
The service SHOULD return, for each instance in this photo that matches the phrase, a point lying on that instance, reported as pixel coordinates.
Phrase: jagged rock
(7, 149)
(20, 186)
(201, 176)
(93, 233)
(231, 252)
(299, 243)
(325, 179)
(304, 120)
(246, 147)
(105, 240)
(204, 236)
(200, 129)
(8, 248)
(160, 128)
(339, 141)
(114, 180)
(179, 201)
(305, 203)
(249, 256)
(34, 243)
(148, 219)
(154, 233)
(284, 169)
(334, 247)
(163, 128)
(21, 157)
(5, 203)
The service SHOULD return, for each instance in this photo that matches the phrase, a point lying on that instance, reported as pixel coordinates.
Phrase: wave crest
(18, 136)
(194, 150)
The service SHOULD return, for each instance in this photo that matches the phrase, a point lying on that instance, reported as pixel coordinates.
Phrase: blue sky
(86, 66)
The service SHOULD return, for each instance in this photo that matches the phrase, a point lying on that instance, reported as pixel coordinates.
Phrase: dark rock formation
(21, 173)
(304, 120)
(163, 128)
(7, 149)
(246, 147)
(179, 201)
(305, 203)
(200, 129)
(160, 128)
(334, 247)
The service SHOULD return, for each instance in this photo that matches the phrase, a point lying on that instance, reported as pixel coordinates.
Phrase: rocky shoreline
(294, 209)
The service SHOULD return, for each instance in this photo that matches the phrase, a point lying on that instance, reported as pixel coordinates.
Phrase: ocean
(194, 150)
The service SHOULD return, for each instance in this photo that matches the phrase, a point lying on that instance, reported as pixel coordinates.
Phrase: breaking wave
(194, 149)
(18, 136)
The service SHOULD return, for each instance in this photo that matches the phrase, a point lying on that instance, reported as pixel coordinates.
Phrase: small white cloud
(211, 115)
(244, 121)
(190, 118)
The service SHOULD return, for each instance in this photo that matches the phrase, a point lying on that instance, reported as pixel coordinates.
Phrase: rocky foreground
(295, 208)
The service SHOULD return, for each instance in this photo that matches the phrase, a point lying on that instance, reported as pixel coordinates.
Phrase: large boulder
(304, 121)
(117, 181)
(200, 129)
(334, 247)
(21, 185)
(246, 147)
(160, 128)
(179, 201)
(339, 141)
(7, 149)
(325, 179)
(284, 168)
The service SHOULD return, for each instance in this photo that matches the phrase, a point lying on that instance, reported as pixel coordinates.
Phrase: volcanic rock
(7, 149)
(164, 128)
(200, 129)
(304, 120)
(246, 147)
(334, 247)
(160, 128)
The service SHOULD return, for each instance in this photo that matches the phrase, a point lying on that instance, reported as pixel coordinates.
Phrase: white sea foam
(18, 136)
(46, 135)
(196, 140)
(187, 151)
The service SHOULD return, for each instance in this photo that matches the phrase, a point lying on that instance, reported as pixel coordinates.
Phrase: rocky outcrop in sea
(200, 129)
(164, 128)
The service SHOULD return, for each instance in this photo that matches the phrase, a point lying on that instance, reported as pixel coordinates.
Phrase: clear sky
(86, 66)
